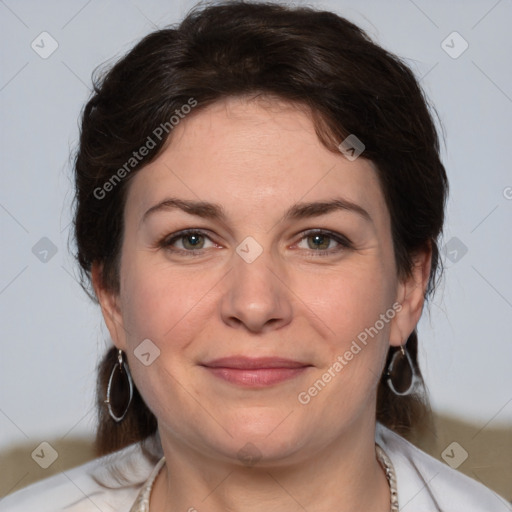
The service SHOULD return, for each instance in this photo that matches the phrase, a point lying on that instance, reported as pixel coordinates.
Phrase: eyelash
(344, 242)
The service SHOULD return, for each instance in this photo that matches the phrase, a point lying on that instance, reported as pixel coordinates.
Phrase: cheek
(354, 350)
(164, 307)
(349, 300)
(151, 303)
(165, 304)
(355, 303)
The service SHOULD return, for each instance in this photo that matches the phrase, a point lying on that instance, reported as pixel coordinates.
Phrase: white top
(424, 484)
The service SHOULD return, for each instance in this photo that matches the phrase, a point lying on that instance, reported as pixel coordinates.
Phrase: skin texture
(257, 157)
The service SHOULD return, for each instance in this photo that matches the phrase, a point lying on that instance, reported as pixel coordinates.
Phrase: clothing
(424, 484)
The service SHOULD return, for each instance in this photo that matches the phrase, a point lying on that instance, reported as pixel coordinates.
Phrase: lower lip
(258, 377)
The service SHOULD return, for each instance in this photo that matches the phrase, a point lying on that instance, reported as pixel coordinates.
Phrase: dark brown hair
(313, 58)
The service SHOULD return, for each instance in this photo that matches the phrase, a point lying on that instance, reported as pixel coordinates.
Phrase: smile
(260, 372)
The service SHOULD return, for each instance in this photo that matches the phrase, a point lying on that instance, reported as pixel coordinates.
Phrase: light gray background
(52, 335)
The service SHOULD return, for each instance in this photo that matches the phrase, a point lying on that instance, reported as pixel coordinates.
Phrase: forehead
(253, 153)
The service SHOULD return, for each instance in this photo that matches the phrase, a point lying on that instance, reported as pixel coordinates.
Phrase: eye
(188, 241)
(192, 242)
(324, 242)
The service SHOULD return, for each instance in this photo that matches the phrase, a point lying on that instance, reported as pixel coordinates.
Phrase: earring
(121, 380)
(401, 376)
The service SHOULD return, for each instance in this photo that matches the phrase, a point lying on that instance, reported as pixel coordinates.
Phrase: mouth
(255, 372)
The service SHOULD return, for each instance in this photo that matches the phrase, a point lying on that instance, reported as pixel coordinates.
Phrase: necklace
(390, 475)
(142, 502)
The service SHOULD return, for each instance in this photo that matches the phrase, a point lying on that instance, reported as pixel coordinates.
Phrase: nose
(257, 297)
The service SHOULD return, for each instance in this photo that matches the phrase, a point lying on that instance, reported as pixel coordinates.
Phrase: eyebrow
(298, 211)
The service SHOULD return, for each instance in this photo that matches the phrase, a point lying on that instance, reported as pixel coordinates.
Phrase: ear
(411, 296)
(109, 302)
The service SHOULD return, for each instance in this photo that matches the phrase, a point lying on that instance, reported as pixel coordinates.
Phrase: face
(248, 239)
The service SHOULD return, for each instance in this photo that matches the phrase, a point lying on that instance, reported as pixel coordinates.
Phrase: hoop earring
(401, 375)
(124, 390)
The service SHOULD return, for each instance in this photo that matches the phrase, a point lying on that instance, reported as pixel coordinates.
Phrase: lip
(255, 372)
(253, 363)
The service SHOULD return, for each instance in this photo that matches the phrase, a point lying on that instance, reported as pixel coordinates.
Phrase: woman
(259, 196)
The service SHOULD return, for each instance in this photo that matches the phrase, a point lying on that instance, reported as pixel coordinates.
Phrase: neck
(344, 476)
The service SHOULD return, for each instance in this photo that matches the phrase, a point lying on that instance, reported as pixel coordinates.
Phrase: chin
(272, 434)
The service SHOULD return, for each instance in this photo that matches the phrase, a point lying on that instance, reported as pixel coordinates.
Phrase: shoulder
(425, 484)
(109, 483)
